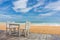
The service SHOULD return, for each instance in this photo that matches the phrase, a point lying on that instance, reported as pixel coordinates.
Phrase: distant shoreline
(39, 24)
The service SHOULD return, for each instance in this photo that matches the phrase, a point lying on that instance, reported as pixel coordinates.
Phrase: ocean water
(41, 23)
(37, 22)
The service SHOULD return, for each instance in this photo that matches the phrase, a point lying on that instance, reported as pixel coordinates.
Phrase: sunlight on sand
(38, 29)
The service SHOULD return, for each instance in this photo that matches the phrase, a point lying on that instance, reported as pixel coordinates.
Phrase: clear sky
(32, 10)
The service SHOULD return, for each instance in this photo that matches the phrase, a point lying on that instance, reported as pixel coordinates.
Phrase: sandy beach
(46, 29)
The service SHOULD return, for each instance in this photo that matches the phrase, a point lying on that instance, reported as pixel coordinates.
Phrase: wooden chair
(26, 30)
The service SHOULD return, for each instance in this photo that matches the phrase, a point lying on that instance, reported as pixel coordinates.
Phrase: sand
(46, 29)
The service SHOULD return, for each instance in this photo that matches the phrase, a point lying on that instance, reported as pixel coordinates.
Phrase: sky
(41, 11)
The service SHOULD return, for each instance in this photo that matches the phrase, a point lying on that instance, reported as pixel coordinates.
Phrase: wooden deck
(32, 36)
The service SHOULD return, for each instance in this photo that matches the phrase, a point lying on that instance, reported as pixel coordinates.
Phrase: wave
(47, 24)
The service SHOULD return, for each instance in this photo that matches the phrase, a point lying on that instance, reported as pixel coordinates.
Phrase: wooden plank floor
(32, 36)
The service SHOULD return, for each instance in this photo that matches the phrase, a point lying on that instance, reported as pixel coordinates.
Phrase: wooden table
(13, 27)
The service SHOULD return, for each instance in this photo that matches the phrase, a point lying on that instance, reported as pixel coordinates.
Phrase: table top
(13, 25)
